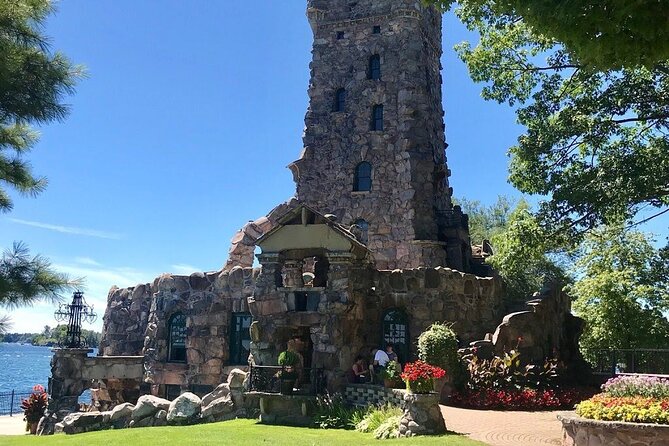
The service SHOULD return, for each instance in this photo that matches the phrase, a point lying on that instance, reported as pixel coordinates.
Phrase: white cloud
(86, 261)
(184, 269)
(69, 229)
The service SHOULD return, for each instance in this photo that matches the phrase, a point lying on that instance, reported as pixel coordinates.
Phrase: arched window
(396, 332)
(177, 338)
(364, 226)
(340, 100)
(363, 177)
(375, 67)
(377, 117)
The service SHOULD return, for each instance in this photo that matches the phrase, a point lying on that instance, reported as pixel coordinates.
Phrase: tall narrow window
(177, 340)
(363, 177)
(340, 100)
(240, 338)
(375, 67)
(396, 332)
(377, 117)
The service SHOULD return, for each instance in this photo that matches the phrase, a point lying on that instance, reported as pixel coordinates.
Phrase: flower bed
(633, 409)
(525, 399)
(636, 399)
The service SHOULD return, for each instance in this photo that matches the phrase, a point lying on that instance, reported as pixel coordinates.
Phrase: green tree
(522, 256)
(33, 84)
(605, 34)
(596, 142)
(617, 292)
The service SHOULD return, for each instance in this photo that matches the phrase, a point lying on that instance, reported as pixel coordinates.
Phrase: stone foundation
(422, 415)
(577, 431)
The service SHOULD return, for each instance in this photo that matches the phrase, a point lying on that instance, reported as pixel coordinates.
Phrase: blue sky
(181, 133)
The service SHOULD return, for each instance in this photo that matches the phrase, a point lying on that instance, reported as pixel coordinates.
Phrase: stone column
(292, 270)
(422, 415)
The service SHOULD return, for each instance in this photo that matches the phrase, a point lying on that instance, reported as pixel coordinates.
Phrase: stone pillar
(422, 415)
(292, 270)
(65, 385)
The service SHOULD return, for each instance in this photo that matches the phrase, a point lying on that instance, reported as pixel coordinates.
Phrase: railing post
(11, 404)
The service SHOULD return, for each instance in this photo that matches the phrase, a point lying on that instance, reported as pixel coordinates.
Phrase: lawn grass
(237, 432)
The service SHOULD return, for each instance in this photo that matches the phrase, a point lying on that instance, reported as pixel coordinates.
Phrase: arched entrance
(395, 330)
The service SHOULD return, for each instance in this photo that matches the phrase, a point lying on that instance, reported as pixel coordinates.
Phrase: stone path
(505, 428)
(12, 425)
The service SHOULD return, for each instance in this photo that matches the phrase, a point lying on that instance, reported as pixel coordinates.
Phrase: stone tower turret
(374, 148)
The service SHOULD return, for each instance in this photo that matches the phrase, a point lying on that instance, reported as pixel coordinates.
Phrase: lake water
(22, 366)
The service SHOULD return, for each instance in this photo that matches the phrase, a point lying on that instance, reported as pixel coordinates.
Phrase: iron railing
(10, 402)
(615, 361)
(268, 379)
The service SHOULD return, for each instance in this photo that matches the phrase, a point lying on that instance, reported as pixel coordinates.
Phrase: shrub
(392, 371)
(388, 429)
(646, 386)
(633, 409)
(508, 372)
(35, 405)
(377, 416)
(288, 358)
(333, 413)
(438, 345)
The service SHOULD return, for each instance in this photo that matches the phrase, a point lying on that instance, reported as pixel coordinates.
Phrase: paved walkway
(505, 428)
(12, 425)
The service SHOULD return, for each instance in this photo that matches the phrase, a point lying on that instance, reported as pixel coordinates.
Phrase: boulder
(160, 419)
(184, 409)
(219, 392)
(79, 422)
(148, 405)
(121, 411)
(120, 415)
(236, 379)
(218, 409)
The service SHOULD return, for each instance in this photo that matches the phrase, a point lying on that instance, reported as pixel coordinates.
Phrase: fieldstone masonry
(336, 262)
(408, 208)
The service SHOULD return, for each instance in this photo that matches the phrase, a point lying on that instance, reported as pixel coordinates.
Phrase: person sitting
(358, 372)
(379, 362)
(391, 352)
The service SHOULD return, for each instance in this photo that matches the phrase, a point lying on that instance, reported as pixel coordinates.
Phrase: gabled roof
(304, 226)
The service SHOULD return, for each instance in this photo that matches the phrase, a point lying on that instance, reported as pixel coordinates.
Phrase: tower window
(340, 100)
(177, 340)
(376, 30)
(375, 67)
(363, 177)
(377, 117)
(340, 35)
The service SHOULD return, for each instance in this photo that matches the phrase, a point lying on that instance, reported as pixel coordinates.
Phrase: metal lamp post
(75, 313)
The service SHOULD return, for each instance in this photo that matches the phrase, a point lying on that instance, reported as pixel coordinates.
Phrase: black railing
(269, 379)
(10, 402)
(612, 362)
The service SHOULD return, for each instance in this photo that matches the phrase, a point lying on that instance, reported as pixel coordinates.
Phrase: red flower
(420, 370)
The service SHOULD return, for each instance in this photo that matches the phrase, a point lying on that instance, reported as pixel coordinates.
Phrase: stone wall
(367, 395)
(473, 304)
(577, 431)
(136, 323)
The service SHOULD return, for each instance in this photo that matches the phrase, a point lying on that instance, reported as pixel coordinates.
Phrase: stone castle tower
(374, 147)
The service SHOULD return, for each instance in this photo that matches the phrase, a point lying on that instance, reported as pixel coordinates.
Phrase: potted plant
(419, 376)
(288, 361)
(34, 407)
(391, 374)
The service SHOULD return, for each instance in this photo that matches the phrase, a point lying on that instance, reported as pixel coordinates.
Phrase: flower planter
(420, 386)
